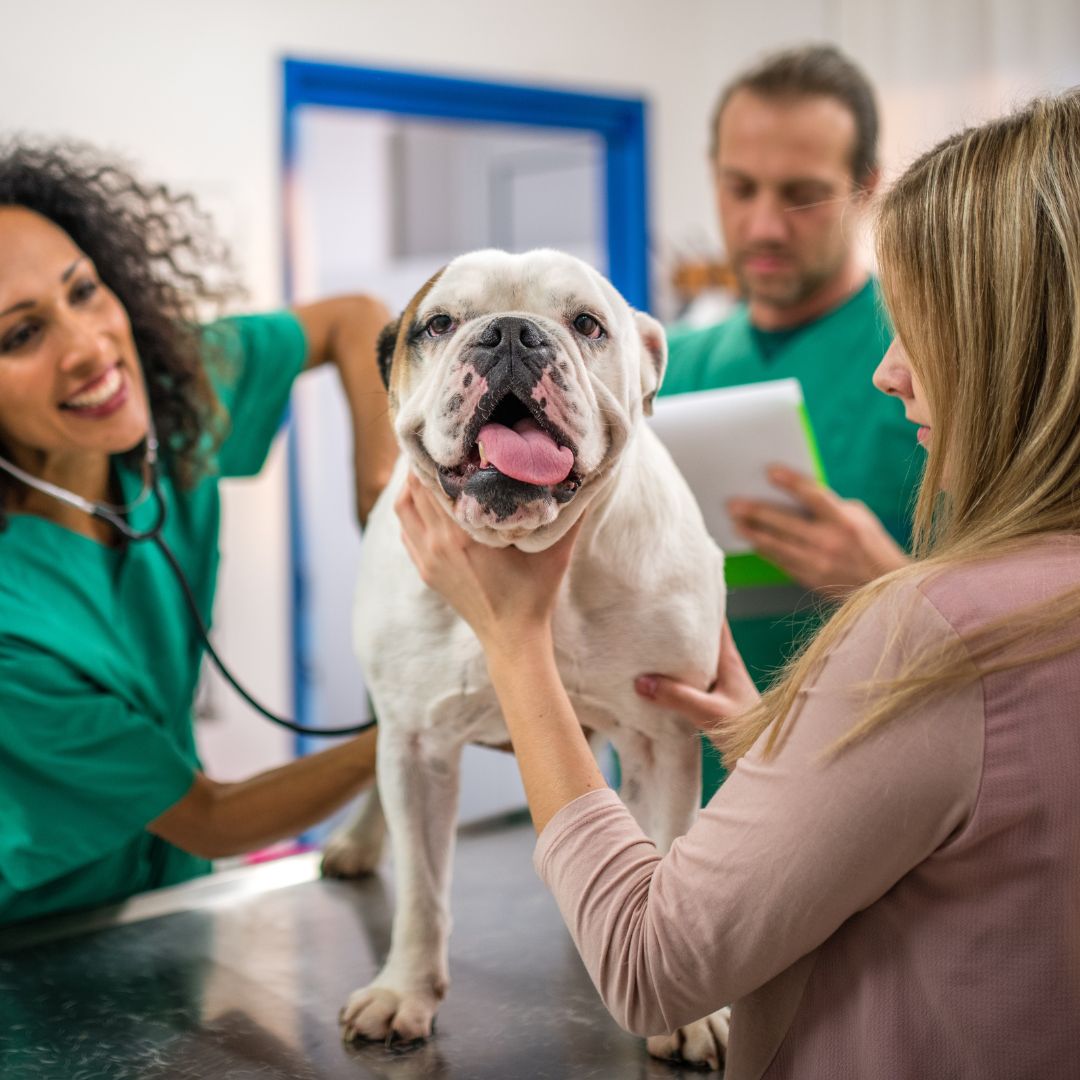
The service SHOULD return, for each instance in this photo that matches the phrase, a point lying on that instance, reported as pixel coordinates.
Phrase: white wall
(940, 66)
(191, 93)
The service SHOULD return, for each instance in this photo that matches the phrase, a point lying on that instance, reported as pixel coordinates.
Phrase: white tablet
(724, 440)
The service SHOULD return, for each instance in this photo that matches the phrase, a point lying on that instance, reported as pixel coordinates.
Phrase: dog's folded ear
(384, 349)
(653, 358)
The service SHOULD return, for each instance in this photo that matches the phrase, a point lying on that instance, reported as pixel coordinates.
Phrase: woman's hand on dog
(507, 596)
(732, 692)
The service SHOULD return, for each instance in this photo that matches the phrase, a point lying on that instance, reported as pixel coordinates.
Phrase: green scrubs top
(99, 660)
(867, 448)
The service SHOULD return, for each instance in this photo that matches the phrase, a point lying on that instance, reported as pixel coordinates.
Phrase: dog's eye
(589, 327)
(439, 325)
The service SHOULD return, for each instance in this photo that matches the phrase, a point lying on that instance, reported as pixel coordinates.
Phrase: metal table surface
(240, 976)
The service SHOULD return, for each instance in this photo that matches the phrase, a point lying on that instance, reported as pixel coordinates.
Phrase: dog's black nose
(512, 347)
(513, 330)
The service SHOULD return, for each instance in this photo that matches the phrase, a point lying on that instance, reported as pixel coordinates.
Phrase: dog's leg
(661, 781)
(672, 785)
(418, 781)
(355, 848)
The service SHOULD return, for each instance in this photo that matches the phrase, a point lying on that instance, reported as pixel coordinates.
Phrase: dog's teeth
(483, 457)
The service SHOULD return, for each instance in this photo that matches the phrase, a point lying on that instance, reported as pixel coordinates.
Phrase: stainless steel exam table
(240, 976)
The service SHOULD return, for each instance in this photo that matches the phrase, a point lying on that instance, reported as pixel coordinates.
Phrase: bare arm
(342, 331)
(214, 820)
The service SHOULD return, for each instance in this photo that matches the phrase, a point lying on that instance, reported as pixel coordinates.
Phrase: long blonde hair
(979, 248)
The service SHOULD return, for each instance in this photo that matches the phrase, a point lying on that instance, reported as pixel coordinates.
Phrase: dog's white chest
(623, 612)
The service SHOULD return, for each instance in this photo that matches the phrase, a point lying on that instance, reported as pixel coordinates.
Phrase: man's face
(785, 194)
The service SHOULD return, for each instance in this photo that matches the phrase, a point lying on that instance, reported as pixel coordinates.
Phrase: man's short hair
(813, 71)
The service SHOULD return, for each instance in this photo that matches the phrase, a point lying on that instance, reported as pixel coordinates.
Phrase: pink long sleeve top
(909, 908)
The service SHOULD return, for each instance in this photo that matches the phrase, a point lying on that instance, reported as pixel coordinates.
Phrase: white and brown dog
(518, 385)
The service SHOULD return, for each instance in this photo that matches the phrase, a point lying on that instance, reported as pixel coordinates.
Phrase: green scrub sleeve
(252, 361)
(79, 770)
(686, 361)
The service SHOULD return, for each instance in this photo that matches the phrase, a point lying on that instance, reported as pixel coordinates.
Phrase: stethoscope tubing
(114, 516)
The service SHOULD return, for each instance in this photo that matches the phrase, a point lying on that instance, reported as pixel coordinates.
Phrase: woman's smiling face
(70, 380)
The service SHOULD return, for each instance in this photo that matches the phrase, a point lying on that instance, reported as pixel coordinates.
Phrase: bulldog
(518, 387)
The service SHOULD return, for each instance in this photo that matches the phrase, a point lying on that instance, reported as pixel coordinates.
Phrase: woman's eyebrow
(70, 270)
(22, 305)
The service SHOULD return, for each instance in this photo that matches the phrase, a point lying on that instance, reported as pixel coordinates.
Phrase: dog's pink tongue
(526, 452)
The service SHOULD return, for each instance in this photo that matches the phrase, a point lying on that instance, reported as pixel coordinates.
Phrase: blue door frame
(619, 121)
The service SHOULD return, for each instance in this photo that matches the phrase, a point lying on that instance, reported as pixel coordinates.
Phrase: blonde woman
(889, 883)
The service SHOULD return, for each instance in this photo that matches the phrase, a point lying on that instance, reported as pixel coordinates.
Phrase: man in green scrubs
(794, 163)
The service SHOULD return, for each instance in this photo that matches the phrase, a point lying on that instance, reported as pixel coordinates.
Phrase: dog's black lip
(457, 482)
(460, 474)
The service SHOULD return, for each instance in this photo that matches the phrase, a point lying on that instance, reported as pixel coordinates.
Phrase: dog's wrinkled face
(515, 382)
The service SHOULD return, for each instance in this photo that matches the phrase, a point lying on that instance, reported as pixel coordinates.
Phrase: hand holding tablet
(724, 442)
(750, 457)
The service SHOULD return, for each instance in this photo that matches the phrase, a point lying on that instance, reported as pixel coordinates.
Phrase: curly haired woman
(102, 281)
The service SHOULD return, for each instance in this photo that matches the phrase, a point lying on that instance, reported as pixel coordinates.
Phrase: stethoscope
(116, 516)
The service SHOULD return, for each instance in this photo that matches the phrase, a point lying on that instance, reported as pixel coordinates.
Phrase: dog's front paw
(346, 856)
(378, 1012)
(702, 1043)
